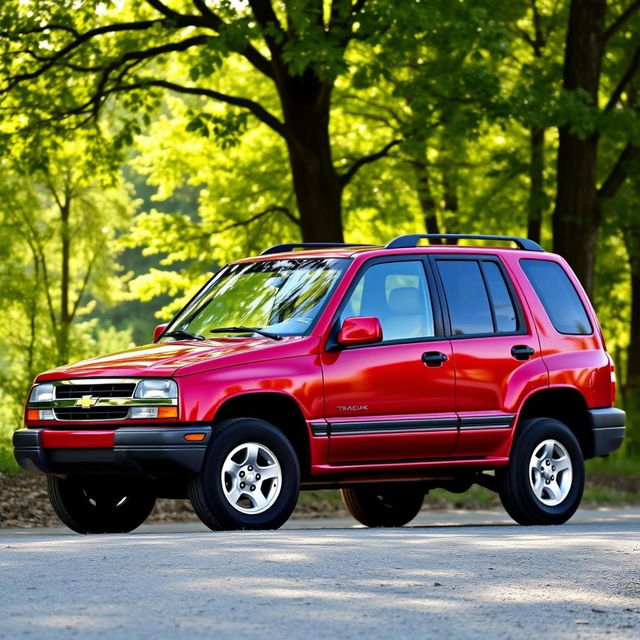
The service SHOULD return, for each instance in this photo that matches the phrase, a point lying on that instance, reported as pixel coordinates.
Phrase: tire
(102, 505)
(250, 478)
(385, 505)
(534, 490)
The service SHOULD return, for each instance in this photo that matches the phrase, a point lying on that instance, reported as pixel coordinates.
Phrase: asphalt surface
(450, 574)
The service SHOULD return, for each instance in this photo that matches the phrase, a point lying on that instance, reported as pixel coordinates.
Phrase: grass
(617, 464)
(8, 463)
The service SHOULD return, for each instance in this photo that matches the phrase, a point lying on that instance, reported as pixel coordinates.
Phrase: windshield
(283, 297)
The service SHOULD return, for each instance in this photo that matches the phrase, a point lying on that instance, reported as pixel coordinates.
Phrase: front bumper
(126, 450)
(608, 430)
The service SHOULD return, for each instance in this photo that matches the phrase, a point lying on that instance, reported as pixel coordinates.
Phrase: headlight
(154, 389)
(41, 393)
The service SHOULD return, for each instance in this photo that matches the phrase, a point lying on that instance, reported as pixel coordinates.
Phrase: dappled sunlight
(319, 582)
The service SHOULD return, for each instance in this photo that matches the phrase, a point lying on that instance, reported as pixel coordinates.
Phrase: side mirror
(157, 332)
(360, 330)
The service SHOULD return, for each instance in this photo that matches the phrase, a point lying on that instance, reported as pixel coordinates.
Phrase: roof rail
(282, 248)
(402, 242)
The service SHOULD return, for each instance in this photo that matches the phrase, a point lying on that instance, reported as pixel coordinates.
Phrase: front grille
(96, 389)
(95, 413)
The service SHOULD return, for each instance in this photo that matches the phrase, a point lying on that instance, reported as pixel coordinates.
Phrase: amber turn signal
(167, 412)
(194, 437)
(33, 414)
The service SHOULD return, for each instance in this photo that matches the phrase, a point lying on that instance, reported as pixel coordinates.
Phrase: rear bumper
(127, 450)
(608, 430)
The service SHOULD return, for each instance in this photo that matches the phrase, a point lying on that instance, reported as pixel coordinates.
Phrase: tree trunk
(65, 320)
(450, 197)
(632, 383)
(536, 182)
(576, 217)
(306, 105)
(425, 196)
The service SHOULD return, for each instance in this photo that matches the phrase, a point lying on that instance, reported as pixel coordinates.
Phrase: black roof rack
(402, 242)
(282, 248)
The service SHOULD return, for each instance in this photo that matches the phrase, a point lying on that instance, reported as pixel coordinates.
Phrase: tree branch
(77, 42)
(628, 76)
(256, 109)
(347, 176)
(250, 53)
(620, 171)
(135, 57)
(620, 21)
(267, 18)
(85, 280)
(273, 209)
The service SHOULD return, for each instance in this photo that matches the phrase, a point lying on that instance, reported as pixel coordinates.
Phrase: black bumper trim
(608, 430)
(137, 450)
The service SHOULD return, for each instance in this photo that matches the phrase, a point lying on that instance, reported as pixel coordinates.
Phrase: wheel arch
(279, 409)
(565, 404)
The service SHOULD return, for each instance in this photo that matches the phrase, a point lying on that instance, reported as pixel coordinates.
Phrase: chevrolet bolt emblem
(86, 402)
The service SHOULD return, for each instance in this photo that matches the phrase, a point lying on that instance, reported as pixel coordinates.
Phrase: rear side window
(505, 313)
(467, 299)
(558, 296)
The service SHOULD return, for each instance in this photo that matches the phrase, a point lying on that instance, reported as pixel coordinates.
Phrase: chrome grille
(95, 413)
(96, 389)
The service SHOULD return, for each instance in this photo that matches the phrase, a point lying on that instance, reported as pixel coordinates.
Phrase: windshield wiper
(183, 335)
(266, 334)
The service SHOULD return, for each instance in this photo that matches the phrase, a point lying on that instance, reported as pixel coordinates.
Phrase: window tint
(466, 295)
(397, 294)
(505, 314)
(558, 296)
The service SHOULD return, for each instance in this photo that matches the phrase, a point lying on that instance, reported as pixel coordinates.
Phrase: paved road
(470, 575)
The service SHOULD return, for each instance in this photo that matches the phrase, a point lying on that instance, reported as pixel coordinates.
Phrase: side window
(397, 294)
(558, 296)
(467, 299)
(504, 311)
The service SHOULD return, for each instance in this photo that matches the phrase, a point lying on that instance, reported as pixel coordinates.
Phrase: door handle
(433, 358)
(522, 352)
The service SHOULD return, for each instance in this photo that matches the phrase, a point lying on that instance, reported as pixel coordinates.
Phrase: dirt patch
(24, 501)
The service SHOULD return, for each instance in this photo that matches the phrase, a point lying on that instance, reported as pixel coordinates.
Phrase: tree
(64, 62)
(65, 217)
(577, 216)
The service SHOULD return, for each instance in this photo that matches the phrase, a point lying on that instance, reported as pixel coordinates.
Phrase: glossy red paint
(376, 410)
(159, 330)
(102, 439)
(389, 382)
(359, 331)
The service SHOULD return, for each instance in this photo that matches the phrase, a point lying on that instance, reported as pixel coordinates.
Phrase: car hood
(182, 357)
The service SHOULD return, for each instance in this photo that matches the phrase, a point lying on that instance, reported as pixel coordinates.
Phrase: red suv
(383, 371)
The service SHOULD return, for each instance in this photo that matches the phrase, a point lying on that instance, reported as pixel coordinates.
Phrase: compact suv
(382, 371)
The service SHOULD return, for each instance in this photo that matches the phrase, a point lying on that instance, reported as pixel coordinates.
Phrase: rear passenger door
(496, 352)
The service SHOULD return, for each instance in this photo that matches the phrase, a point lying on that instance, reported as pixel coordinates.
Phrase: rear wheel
(250, 478)
(102, 505)
(388, 505)
(544, 480)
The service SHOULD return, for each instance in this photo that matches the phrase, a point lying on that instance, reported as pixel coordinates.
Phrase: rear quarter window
(558, 296)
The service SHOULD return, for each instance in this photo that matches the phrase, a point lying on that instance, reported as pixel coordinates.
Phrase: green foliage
(456, 86)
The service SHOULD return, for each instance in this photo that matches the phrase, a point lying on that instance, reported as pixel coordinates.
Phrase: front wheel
(250, 478)
(544, 480)
(102, 505)
(388, 505)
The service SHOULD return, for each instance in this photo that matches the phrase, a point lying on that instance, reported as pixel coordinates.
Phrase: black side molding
(608, 429)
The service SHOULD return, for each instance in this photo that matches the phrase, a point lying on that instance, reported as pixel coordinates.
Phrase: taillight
(612, 373)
